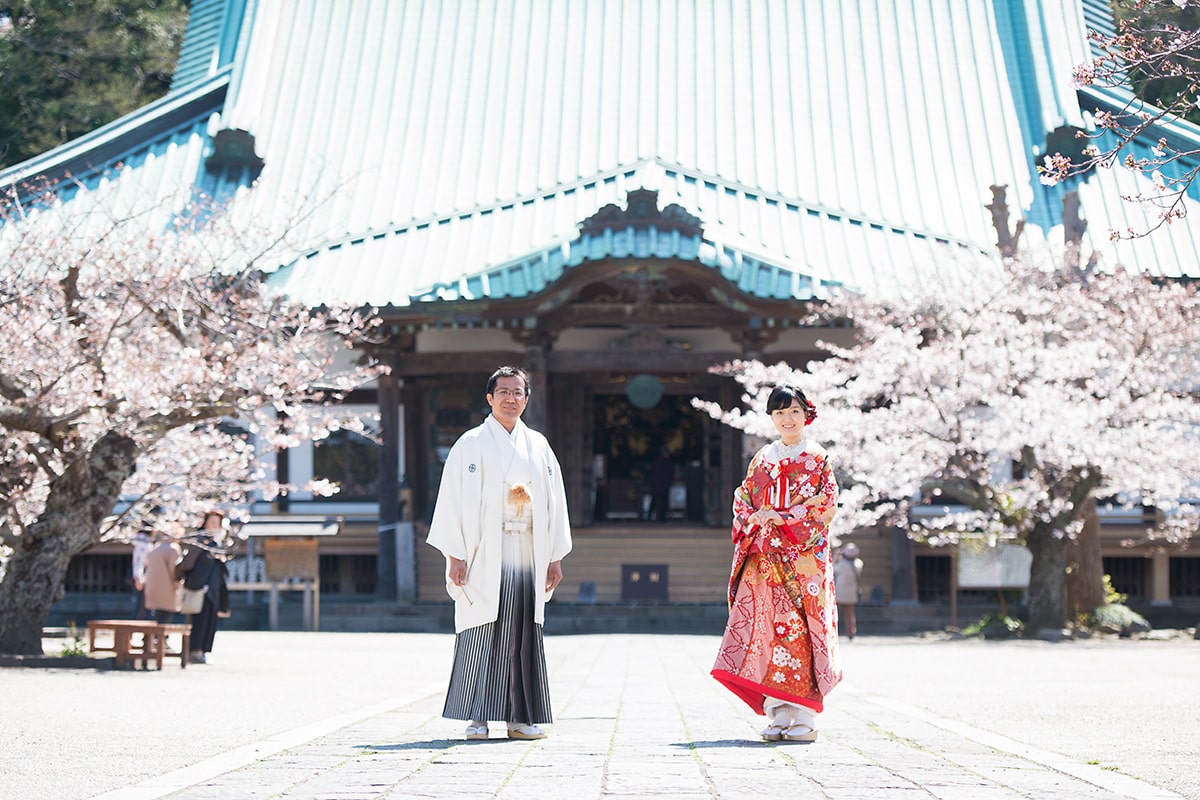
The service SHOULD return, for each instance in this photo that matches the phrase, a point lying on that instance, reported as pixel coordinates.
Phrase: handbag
(193, 601)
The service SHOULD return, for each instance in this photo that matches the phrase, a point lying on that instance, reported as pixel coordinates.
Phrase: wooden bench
(136, 640)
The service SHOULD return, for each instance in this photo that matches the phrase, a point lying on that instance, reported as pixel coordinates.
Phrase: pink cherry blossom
(146, 369)
(1150, 47)
(1000, 405)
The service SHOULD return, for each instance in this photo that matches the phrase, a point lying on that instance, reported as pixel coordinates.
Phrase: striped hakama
(499, 671)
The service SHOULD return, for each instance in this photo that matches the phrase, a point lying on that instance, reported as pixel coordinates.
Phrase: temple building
(616, 195)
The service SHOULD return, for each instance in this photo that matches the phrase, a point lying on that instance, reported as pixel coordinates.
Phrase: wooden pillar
(390, 561)
(537, 412)
(1160, 578)
(1085, 572)
(954, 586)
(570, 434)
(724, 465)
(904, 581)
(418, 451)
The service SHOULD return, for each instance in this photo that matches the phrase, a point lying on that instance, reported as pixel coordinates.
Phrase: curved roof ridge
(1181, 135)
(112, 143)
(630, 170)
(627, 170)
(797, 203)
(534, 272)
(1116, 98)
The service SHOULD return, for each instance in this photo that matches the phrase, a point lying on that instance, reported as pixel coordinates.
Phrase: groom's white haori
(468, 517)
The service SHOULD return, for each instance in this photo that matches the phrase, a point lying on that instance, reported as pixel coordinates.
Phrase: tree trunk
(31, 586)
(1085, 567)
(79, 500)
(1047, 580)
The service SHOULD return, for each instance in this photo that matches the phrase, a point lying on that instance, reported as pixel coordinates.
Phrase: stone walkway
(636, 717)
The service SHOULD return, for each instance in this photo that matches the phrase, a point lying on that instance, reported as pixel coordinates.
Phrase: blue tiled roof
(786, 258)
(209, 42)
(818, 142)
(1098, 17)
(154, 151)
(533, 274)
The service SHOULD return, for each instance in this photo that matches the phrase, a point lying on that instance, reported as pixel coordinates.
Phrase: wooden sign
(291, 558)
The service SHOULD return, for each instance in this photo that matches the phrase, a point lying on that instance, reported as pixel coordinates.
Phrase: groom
(501, 522)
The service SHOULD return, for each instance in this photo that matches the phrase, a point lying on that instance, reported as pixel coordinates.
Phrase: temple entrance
(648, 464)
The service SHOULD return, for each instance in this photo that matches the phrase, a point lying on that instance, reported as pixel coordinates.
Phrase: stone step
(697, 561)
(561, 618)
(565, 618)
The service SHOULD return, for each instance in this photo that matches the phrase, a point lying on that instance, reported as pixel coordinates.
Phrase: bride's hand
(765, 516)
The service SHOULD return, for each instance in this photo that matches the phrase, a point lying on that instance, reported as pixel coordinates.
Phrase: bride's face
(789, 422)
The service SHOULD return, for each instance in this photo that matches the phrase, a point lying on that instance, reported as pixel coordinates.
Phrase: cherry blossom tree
(1150, 71)
(1001, 405)
(142, 351)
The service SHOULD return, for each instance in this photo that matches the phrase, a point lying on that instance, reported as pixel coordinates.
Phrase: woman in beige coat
(163, 585)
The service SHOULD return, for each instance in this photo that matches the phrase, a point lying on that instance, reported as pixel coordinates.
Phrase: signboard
(291, 558)
(643, 582)
(1003, 566)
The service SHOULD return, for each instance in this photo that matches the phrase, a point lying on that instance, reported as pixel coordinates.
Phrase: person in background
(501, 522)
(779, 652)
(142, 543)
(203, 566)
(161, 581)
(847, 572)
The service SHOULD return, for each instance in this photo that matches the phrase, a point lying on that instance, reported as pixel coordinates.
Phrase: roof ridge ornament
(641, 211)
(233, 150)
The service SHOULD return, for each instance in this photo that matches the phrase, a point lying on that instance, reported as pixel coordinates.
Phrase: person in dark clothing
(203, 566)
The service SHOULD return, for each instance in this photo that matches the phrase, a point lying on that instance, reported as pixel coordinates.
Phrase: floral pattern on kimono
(781, 638)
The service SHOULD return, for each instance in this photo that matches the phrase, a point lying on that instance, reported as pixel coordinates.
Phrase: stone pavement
(636, 716)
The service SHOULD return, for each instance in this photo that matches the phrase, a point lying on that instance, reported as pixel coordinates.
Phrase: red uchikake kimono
(781, 638)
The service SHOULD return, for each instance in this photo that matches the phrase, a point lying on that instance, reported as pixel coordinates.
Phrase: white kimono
(468, 515)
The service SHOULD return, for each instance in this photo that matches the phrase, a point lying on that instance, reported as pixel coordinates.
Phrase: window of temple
(1185, 577)
(350, 460)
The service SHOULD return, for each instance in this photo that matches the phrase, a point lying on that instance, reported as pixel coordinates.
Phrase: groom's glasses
(515, 394)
